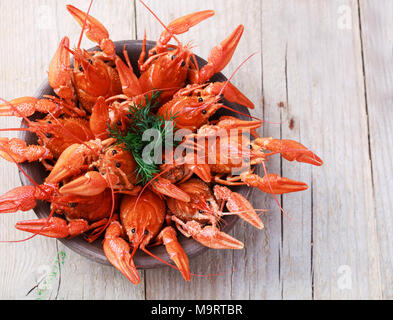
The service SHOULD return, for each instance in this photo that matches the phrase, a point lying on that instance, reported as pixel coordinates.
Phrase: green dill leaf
(142, 119)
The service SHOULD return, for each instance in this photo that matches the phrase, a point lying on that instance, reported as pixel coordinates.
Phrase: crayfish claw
(117, 250)
(27, 106)
(209, 236)
(220, 56)
(231, 93)
(129, 81)
(23, 198)
(229, 122)
(54, 227)
(176, 252)
(16, 150)
(239, 205)
(90, 184)
(95, 30)
(165, 187)
(273, 183)
(179, 26)
(290, 150)
(60, 72)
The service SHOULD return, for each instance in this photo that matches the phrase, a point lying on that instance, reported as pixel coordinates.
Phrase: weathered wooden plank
(281, 105)
(23, 264)
(327, 102)
(376, 20)
(39, 26)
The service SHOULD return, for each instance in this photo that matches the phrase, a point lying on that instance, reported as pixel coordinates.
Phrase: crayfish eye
(48, 135)
(250, 146)
(133, 230)
(173, 57)
(114, 152)
(183, 63)
(146, 232)
(118, 164)
(118, 123)
(73, 205)
(200, 99)
(90, 61)
(200, 211)
(204, 111)
(80, 68)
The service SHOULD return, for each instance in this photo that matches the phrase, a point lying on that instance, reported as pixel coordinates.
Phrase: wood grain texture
(376, 25)
(323, 70)
(21, 73)
(325, 81)
(280, 105)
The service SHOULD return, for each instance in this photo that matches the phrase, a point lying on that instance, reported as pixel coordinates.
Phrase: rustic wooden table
(324, 70)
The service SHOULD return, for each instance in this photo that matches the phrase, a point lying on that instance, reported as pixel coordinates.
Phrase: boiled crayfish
(87, 139)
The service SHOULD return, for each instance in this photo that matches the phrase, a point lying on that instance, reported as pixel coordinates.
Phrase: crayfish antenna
(158, 258)
(35, 234)
(84, 23)
(94, 30)
(159, 20)
(234, 94)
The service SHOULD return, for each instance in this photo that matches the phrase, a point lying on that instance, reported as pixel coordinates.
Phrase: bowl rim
(92, 251)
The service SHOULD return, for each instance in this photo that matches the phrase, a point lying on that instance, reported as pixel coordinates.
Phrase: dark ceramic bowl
(94, 251)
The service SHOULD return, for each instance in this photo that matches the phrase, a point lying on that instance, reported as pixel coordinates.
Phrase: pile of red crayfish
(87, 135)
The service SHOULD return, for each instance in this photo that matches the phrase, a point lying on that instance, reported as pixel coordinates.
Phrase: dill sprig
(142, 119)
